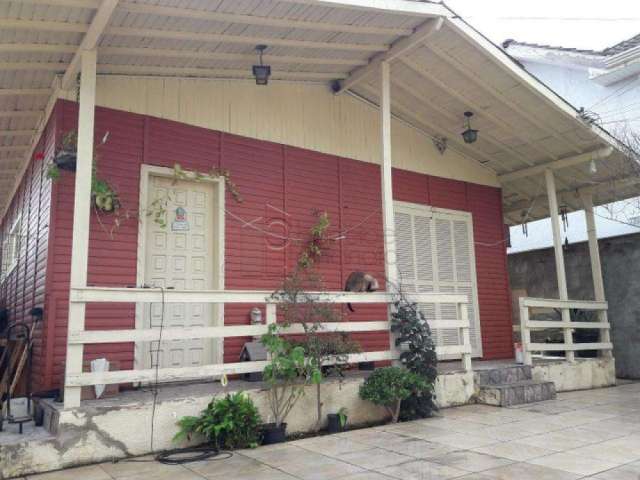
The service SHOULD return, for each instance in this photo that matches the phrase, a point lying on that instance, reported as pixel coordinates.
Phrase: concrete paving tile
(367, 476)
(536, 426)
(331, 446)
(287, 453)
(417, 448)
(574, 463)
(528, 471)
(264, 473)
(518, 452)
(325, 470)
(377, 438)
(625, 472)
(471, 461)
(374, 459)
(223, 466)
(506, 432)
(557, 441)
(92, 472)
(136, 466)
(607, 452)
(183, 474)
(422, 470)
(465, 441)
(424, 431)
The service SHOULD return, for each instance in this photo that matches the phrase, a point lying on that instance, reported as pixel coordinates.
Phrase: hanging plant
(65, 158)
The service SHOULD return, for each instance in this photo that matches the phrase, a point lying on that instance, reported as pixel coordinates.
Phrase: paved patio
(591, 434)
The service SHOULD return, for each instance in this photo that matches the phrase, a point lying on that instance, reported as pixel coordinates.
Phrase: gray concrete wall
(535, 272)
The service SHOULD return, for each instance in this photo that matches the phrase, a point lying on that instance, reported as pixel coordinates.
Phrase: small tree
(389, 386)
(419, 356)
(287, 373)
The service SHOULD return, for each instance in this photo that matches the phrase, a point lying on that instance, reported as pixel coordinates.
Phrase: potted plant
(389, 386)
(286, 375)
(337, 422)
(65, 158)
(228, 423)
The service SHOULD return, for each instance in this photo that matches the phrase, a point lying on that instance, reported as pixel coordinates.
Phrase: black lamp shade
(470, 135)
(262, 74)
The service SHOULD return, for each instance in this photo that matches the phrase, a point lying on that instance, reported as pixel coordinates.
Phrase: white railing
(75, 378)
(567, 346)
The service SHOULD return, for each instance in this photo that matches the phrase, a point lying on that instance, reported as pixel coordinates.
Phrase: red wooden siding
(281, 187)
(24, 288)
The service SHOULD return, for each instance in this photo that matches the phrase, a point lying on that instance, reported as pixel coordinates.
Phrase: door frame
(472, 253)
(146, 172)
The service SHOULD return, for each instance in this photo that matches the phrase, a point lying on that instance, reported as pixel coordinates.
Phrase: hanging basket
(66, 160)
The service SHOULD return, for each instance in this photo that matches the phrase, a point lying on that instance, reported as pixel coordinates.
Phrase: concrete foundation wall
(534, 272)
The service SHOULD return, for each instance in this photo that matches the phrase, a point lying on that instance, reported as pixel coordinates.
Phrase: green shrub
(419, 356)
(389, 386)
(230, 422)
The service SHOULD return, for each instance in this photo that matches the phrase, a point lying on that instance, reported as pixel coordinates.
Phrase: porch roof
(441, 67)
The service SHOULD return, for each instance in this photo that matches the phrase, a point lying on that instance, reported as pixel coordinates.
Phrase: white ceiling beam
(472, 76)
(30, 149)
(204, 55)
(200, 15)
(400, 7)
(478, 109)
(39, 26)
(243, 40)
(20, 113)
(90, 40)
(88, 4)
(209, 72)
(24, 92)
(398, 48)
(16, 133)
(557, 164)
(34, 66)
(36, 48)
(13, 148)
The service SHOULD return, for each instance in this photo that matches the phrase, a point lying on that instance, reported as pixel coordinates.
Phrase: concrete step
(517, 393)
(503, 375)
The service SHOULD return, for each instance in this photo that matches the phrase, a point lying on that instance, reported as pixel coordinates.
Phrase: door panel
(180, 255)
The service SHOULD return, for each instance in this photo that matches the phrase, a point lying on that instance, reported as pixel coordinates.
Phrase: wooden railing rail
(567, 346)
(75, 378)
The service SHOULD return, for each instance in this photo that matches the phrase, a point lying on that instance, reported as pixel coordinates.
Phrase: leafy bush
(389, 386)
(419, 356)
(287, 373)
(230, 422)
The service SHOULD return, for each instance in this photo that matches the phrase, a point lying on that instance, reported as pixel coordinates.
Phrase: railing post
(560, 267)
(388, 221)
(81, 217)
(596, 268)
(466, 338)
(525, 333)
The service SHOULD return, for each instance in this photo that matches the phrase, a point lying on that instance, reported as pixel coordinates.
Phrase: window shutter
(435, 254)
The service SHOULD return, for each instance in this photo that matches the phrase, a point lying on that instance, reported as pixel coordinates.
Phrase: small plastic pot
(333, 423)
(273, 434)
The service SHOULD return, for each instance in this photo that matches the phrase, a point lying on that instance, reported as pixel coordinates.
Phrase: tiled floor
(593, 434)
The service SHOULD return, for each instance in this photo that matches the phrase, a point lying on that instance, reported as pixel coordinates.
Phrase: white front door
(435, 253)
(180, 255)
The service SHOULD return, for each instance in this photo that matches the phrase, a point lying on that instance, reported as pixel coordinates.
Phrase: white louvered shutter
(435, 254)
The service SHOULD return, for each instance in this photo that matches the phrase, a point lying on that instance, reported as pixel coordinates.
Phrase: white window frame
(11, 246)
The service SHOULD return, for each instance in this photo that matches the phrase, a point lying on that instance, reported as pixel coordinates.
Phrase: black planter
(272, 434)
(367, 366)
(333, 423)
(65, 160)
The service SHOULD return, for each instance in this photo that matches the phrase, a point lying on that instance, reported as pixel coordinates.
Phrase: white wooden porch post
(388, 221)
(596, 266)
(560, 268)
(81, 216)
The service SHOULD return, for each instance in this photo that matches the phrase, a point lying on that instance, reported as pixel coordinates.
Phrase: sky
(585, 24)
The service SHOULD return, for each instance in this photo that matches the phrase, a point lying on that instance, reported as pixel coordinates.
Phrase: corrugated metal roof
(521, 122)
(609, 51)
